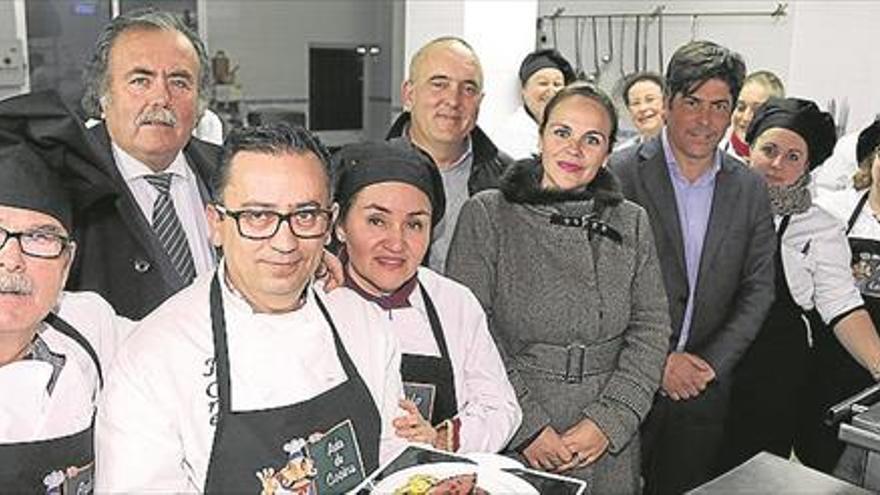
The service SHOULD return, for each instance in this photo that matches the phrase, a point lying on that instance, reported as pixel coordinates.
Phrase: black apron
(769, 380)
(429, 380)
(259, 449)
(63, 465)
(834, 374)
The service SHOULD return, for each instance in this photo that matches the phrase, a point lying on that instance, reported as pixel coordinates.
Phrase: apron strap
(434, 321)
(856, 212)
(783, 226)
(347, 364)
(221, 351)
(65, 328)
(221, 348)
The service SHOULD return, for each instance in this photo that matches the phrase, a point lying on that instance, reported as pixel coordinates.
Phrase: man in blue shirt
(714, 234)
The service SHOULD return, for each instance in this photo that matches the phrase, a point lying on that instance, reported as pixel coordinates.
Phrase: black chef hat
(543, 59)
(27, 181)
(801, 116)
(869, 138)
(360, 165)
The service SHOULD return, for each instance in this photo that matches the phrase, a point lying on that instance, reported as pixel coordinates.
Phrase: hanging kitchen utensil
(660, 39)
(644, 58)
(610, 55)
(578, 51)
(556, 13)
(542, 34)
(693, 27)
(843, 117)
(620, 46)
(597, 69)
(636, 43)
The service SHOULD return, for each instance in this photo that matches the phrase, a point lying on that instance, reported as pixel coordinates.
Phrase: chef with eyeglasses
(55, 347)
(243, 382)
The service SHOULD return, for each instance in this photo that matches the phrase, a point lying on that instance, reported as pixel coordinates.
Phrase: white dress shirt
(157, 417)
(487, 405)
(28, 412)
(185, 194)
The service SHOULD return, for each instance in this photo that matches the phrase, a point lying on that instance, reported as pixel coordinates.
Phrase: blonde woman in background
(757, 88)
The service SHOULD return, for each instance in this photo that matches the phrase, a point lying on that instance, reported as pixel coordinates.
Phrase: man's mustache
(15, 284)
(161, 116)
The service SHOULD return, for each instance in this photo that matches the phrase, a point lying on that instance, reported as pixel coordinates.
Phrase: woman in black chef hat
(816, 297)
(390, 197)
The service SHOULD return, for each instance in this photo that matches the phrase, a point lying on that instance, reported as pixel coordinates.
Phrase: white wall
(834, 55)
(820, 49)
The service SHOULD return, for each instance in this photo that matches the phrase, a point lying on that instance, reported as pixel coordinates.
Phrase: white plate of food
(453, 478)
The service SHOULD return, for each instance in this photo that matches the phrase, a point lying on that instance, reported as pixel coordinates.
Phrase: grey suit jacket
(735, 284)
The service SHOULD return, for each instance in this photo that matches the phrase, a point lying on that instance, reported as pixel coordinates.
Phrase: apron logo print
(295, 477)
(866, 271)
(71, 481)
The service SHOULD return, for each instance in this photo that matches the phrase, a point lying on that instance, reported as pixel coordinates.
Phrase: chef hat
(357, 166)
(803, 117)
(543, 59)
(27, 181)
(869, 139)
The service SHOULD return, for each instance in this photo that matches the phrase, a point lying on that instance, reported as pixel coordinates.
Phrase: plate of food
(453, 478)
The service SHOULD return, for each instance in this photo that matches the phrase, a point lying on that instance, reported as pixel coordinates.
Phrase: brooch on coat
(591, 223)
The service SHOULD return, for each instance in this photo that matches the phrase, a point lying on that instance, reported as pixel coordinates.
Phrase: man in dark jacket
(441, 99)
(142, 232)
(715, 240)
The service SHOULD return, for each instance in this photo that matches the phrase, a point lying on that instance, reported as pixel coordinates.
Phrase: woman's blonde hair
(863, 179)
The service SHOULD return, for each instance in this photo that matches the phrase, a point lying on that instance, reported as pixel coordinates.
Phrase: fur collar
(521, 183)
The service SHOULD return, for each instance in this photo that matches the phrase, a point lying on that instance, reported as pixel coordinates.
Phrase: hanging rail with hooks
(779, 11)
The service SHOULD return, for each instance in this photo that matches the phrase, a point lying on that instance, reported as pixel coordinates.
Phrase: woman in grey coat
(567, 272)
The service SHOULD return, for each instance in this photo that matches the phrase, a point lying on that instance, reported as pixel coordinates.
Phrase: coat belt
(572, 362)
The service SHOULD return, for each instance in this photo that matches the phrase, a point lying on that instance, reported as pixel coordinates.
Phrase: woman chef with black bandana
(54, 346)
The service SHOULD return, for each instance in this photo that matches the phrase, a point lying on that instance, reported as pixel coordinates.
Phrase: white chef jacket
(843, 203)
(816, 258)
(518, 137)
(157, 417)
(27, 411)
(487, 405)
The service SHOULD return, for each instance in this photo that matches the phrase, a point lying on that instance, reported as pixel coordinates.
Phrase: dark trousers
(767, 397)
(681, 440)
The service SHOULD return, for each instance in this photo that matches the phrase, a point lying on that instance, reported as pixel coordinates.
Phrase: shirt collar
(395, 300)
(39, 351)
(234, 299)
(707, 177)
(132, 169)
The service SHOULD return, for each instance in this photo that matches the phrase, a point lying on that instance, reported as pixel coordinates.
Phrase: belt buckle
(574, 363)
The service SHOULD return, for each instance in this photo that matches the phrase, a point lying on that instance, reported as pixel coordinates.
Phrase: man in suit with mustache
(142, 229)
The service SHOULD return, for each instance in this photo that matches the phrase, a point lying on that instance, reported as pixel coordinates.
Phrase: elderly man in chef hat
(54, 346)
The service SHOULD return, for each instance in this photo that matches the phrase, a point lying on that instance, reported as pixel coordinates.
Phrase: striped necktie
(169, 229)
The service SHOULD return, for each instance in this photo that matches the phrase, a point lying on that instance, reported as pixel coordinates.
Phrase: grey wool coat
(572, 287)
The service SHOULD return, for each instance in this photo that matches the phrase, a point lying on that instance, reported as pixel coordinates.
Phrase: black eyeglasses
(37, 243)
(304, 223)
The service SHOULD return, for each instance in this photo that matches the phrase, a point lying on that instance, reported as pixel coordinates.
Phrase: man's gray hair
(96, 76)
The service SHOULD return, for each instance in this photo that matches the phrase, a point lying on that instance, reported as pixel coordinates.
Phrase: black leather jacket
(489, 162)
